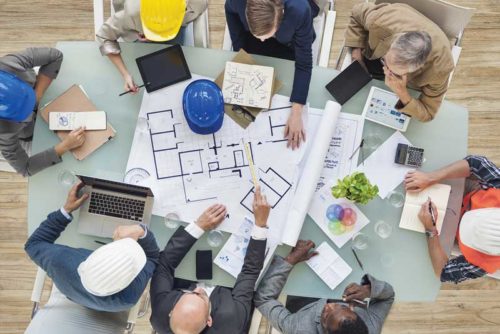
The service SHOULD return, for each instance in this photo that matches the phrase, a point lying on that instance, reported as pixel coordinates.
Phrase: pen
(357, 259)
(431, 212)
(130, 91)
(100, 242)
(357, 148)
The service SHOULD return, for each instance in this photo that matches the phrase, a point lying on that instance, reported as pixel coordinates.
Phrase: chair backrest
(61, 316)
(452, 19)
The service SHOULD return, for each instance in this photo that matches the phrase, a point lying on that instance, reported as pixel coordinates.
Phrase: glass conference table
(401, 259)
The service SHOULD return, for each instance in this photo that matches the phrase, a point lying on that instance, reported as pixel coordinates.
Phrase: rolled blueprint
(311, 173)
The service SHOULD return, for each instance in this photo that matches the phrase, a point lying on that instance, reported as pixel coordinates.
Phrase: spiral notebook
(439, 194)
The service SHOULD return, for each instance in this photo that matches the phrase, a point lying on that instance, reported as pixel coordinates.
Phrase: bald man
(185, 307)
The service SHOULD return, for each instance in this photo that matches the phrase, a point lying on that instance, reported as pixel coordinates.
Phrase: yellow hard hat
(162, 19)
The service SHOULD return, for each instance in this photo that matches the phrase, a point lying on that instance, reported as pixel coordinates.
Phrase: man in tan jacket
(412, 51)
(127, 24)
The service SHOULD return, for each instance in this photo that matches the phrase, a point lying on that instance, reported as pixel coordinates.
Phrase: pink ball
(350, 217)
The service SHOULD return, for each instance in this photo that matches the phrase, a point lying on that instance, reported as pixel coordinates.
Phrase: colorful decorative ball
(336, 228)
(335, 212)
(350, 217)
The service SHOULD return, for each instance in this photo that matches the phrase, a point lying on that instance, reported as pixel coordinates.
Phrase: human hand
(74, 139)
(301, 252)
(294, 129)
(73, 202)
(212, 217)
(357, 55)
(416, 181)
(354, 292)
(128, 231)
(261, 208)
(425, 216)
(130, 84)
(397, 85)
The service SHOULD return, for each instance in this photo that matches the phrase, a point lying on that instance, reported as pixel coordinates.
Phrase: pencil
(251, 165)
(129, 91)
(432, 213)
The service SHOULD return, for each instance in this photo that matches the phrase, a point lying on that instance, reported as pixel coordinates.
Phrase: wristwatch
(431, 233)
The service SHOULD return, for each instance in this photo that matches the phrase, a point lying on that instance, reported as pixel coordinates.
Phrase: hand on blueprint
(301, 252)
(294, 129)
(355, 292)
(74, 139)
(128, 231)
(416, 181)
(73, 202)
(212, 217)
(261, 208)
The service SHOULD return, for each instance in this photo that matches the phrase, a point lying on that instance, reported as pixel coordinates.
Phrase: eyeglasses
(242, 112)
(184, 292)
(398, 76)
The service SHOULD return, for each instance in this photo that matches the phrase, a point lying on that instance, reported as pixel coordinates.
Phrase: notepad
(439, 194)
(329, 266)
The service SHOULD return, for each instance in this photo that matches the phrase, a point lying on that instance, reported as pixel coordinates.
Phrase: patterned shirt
(459, 269)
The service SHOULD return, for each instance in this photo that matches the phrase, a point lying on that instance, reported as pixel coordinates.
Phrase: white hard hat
(112, 267)
(480, 230)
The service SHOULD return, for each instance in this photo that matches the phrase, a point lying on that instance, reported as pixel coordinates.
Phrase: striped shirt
(459, 269)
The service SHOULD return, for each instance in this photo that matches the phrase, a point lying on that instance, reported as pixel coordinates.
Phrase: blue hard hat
(17, 98)
(203, 106)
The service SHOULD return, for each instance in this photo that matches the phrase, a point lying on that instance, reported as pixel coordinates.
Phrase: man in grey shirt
(12, 133)
(323, 315)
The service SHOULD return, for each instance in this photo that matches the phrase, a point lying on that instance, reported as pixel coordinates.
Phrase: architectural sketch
(189, 172)
(248, 85)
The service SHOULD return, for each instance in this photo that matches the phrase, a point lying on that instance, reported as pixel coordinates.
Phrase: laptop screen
(129, 189)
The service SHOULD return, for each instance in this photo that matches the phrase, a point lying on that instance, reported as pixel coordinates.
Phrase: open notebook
(439, 194)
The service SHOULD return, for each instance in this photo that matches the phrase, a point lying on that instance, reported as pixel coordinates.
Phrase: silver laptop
(112, 204)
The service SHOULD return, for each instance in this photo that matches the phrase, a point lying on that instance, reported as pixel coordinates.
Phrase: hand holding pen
(428, 215)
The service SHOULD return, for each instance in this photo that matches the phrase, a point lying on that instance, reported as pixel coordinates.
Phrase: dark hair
(263, 15)
(350, 326)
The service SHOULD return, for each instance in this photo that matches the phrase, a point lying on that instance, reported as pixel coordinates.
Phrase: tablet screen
(163, 68)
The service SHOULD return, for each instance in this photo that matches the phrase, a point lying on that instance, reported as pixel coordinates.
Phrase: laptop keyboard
(115, 206)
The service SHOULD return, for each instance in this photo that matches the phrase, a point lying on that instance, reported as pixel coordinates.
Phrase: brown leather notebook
(75, 99)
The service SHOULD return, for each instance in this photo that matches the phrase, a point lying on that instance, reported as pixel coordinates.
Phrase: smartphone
(67, 121)
(204, 264)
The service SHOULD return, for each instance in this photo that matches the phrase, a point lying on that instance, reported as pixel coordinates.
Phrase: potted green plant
(355, 187)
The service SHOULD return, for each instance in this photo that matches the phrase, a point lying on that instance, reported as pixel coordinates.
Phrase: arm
(360, 21)
(427, 105)
(17, 157)
(418, 181)
(163, 279)
(484, 170)
(234, 24)
(267, 294)
(459, 269)
(273, 282)
(381, 300)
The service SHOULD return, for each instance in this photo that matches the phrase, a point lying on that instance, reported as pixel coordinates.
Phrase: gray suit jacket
(307, 319)
(21, 64)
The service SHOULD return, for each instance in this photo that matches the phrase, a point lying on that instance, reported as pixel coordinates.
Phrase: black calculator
(409, 155)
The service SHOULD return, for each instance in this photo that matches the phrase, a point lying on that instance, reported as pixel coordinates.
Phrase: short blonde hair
(264, 15)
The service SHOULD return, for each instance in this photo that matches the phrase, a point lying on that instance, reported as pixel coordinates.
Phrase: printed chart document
(248, 85)
(329, 266)
(380, 167)
(232, 255)
(439, 194)
(342, 156)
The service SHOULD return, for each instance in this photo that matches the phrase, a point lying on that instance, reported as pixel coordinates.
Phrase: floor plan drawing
(189, 172)
(247, 85)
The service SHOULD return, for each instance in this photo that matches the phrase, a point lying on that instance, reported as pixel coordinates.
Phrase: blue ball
(335, 212)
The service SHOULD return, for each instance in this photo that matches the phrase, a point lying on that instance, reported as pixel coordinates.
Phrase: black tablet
(348, 82)
(163, 68)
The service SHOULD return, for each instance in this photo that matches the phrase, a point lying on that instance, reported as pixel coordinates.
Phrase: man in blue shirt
(111, 278)
(283, 29)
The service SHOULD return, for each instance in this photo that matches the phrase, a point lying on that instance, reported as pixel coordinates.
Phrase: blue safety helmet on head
(203, 106)
(17, 98)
